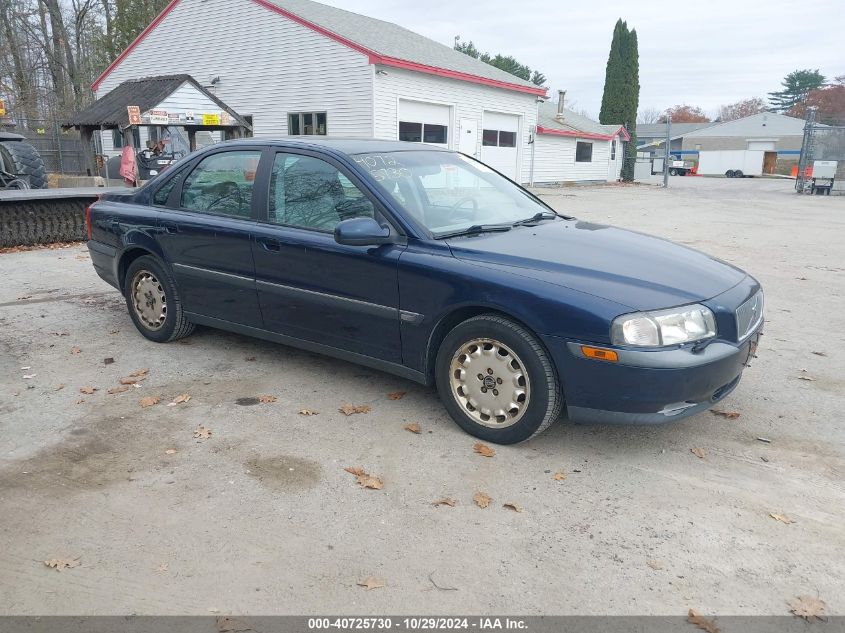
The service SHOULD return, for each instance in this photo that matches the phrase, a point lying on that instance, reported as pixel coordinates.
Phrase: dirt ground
(261, 517)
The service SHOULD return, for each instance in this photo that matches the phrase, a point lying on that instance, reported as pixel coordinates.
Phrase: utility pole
(666, 151)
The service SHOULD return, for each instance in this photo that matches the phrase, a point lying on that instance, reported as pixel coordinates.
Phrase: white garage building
(296, 67)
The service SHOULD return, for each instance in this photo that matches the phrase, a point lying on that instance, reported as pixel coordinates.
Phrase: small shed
(165, 101)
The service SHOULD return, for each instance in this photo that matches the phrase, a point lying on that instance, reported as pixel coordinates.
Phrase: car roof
(339, 144)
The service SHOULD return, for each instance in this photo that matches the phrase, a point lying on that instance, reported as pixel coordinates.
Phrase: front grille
(749, 315)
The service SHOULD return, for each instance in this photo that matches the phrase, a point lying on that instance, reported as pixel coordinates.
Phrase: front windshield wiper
(542, 215)
(475, 229)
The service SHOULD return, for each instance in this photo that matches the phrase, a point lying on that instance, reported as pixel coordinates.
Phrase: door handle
(270, 245)
(170, 227)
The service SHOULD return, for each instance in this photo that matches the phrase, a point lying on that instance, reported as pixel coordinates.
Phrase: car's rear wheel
(153, 301)
(496, 380)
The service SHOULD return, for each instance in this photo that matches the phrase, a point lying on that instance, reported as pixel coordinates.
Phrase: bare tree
(648, 115)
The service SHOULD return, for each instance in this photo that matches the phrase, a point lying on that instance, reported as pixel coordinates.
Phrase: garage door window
(423, 132)
(307, 123)
(498, 138)
(612, 150)
(584, 152)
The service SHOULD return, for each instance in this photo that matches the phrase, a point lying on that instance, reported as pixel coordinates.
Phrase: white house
(294, 67)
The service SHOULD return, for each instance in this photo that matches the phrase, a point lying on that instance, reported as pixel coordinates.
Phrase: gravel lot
(262, 519)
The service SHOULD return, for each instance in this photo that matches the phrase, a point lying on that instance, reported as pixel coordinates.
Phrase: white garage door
(421, 122)
(766, 146)
(500, 143)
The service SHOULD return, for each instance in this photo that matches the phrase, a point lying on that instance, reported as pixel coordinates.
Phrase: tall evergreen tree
(622, 90)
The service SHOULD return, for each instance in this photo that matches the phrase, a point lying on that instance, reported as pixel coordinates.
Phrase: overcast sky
(703, 53)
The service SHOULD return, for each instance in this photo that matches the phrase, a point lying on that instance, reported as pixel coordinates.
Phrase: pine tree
(622, 90)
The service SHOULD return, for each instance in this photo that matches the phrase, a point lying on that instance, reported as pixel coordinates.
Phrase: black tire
(673, 172)
(738, 174)
(544, 401)
(174, 324)
(730, 173)
(22, 159)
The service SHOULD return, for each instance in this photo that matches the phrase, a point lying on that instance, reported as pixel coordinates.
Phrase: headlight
(664, 327)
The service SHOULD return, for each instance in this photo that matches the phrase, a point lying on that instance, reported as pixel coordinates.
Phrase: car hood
(629, 268)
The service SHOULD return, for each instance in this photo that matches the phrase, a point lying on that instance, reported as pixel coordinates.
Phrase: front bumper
(648, 387)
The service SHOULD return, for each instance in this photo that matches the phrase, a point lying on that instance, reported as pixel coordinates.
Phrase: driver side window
(222, 184)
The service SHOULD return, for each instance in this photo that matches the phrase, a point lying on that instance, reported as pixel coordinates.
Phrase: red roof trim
(372, 56)
(591, 135)
(134, 43)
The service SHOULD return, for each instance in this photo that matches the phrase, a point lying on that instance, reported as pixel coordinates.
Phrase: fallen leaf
(806, 378)
(202, 433)
(108, 361)
(139, 372)
(482, 499)
(413, 428)
(267, 399)
(80, 401)
(307, 412)
(698, 452)
(250, 359)
(62, 563)
(87, 390)
(364, 479)
(807, 607)
(24, 297)
(396, 395)
(170, 451)
(114, 331)
(226, 624)
(162, 567)
(445, 501)
(819, 353)
(59, 387)
(131, 380)
(354, 471)
(181, 398)
(351, 409)
(75, 350)
(781, 517)
(120, 389)
(483, 449)
(371, 583)
(730, 415)
(149, 401)
(512, 506)
(701, 622)
(655, 564)
(559, 476)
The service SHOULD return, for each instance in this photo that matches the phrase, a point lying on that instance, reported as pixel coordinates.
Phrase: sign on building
(134, 113)
(158, 117)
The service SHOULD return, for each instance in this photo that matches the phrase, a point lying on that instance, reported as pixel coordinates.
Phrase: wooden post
(86, 134)
(192, 139)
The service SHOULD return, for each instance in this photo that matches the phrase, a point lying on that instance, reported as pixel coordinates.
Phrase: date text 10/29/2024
(417, 624)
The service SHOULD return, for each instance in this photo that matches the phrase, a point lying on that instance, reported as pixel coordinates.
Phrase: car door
(206, 235)
(309, 286)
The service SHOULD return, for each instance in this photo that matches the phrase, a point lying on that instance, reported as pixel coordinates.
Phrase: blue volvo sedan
(428, 264)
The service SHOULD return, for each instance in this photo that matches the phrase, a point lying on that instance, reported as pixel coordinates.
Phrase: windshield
(448, 192)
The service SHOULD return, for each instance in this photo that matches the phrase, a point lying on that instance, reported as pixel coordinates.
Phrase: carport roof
(574, 124)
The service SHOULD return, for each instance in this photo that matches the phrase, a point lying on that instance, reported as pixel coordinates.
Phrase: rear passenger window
(222, 184)
(160, 197)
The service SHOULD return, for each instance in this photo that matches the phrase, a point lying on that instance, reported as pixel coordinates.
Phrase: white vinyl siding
(466, 101)
(554, 160)
(268, 65)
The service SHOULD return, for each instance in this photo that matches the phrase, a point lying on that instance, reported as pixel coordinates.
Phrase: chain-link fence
(821, 168)
(61, 150)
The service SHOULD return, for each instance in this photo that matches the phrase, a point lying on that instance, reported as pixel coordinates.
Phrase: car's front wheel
(496, 380)
(153, 301)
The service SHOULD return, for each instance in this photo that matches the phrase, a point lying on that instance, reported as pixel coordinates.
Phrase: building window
(498, 138)
(423, 132)
(307, 123)
(117, 138)
(613, 149)
(583, 152)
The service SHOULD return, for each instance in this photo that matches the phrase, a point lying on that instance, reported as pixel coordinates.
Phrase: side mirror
(361, 232)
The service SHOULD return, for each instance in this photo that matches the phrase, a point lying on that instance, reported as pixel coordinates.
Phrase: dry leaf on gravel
(512, 506)
(307, 412)
(120, 389)
(559, 476)
(730, 415)
(819, 353)
(59, 387)
(482, 499)
(162, 567)
(808, 378)
(781, 517)
(62, 563)
(351, 409)
(267, 399)
(371, 583)
(413, 428)
(701, 622)
(807, 607)
(445, 501)
(87, 390)
(75, 350)
(80, 401)
(483, 449)
(698, 452)
(181, 398)
(149, 401)
(202, 433)
(395, 395)
(655, 564)
(114, 331)
(364, 479)
(250, 359)
(170, 451)
(140, 372)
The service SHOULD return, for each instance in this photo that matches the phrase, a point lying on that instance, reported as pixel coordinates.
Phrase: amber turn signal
(600, 354)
